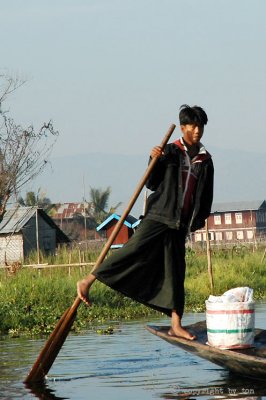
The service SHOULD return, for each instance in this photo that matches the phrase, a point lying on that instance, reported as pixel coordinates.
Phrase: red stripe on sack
(230, 312)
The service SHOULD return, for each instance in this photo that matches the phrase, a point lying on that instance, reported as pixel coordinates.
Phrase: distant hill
(238, 176)
(70, 175)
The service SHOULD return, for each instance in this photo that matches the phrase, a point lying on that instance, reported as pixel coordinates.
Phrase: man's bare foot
(177, 329)
(181, 332)
(83, 289)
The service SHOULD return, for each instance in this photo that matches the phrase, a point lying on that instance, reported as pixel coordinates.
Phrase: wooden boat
(248, 362)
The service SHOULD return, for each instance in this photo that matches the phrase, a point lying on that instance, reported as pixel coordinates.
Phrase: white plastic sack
(231, 319)
(242, 294)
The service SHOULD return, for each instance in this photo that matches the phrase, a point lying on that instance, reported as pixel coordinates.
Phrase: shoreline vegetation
(32, 300)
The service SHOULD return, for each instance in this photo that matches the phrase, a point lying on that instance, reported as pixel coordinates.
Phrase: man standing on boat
(150, 267)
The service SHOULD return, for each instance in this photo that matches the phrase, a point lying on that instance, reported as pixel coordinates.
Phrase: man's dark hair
(192, 115)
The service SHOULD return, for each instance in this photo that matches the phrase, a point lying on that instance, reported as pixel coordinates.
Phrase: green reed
(32, 300)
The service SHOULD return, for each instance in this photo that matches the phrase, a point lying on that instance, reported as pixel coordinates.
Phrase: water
(130, 364)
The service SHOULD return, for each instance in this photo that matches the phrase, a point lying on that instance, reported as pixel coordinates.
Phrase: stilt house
(235, 222)
(125, 232)
(27, 229)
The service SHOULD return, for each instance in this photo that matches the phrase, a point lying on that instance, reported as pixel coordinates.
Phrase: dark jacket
(165, 203)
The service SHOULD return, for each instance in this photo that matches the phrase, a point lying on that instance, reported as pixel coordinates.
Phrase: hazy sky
(111, 74)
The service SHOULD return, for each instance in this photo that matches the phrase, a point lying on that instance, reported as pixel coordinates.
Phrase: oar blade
(52, 347)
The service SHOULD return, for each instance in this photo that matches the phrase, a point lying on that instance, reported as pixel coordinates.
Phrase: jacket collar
(203, 154)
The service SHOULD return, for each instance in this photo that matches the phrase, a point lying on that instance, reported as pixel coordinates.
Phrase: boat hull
(247, 362)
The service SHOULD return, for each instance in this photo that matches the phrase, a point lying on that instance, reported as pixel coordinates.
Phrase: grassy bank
(231, 268)
(32, 301)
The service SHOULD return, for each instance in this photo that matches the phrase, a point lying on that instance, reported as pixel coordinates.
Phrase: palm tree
(35, 199)
(100, 199)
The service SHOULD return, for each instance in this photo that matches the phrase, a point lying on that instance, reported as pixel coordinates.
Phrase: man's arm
(157, 173)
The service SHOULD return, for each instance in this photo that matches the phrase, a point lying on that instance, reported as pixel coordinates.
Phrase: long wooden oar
(57, 338)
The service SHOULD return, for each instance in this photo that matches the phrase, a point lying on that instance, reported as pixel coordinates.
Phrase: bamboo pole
(37, 237)
(209, 257)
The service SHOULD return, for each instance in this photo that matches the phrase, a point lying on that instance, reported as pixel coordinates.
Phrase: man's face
(192, 133)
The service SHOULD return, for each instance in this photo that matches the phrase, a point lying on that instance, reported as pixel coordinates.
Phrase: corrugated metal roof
(238, 206)
(69, 210)
(15, 218)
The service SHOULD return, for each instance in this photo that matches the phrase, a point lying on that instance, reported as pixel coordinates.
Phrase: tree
(100, 200)
(38, 199)
(24, 152)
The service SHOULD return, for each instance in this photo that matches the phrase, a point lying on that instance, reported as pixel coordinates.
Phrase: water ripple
(129, 364)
